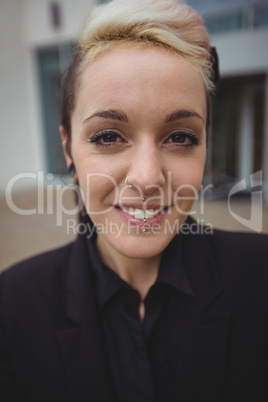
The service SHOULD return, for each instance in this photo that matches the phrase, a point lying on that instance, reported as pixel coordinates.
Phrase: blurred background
(37, 40)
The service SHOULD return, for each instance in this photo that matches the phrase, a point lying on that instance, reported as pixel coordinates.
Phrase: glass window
(225, 22)
(52, 62)
(261, 15)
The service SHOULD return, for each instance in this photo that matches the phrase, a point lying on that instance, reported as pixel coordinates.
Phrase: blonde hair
(170, 24)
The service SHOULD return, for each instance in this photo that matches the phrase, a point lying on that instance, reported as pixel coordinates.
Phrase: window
(228, 138)
(52, 62)
(261, 15)
(225, 22)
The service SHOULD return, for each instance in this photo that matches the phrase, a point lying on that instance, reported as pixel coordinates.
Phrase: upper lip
(141, 206)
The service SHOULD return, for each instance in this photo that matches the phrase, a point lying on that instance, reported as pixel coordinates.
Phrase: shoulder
(40, 273)
(239, 244)
(238, 261)
(241, 258)
(222, 242)
(47, 261)
(37, 289)
(231, 253)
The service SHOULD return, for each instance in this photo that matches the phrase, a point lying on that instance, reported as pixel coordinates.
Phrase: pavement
(33, 226)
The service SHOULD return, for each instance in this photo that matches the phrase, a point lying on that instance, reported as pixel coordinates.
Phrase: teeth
(149, 213)
(140, 213)
(131, 211)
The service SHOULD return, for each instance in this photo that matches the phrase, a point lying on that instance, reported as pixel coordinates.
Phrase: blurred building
(239, 135)
(36, 42)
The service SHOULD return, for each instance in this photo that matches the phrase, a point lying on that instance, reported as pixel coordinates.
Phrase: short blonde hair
(170, 24)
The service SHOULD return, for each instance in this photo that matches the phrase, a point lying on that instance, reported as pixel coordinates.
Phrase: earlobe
(64, 141)
(71, 170)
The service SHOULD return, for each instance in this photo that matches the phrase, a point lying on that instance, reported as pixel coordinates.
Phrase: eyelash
(96, 138)
(101, 135)
(187, 135)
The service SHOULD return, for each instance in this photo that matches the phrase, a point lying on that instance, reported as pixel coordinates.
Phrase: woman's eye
(179, 138)
(106, 138)
(183, 138)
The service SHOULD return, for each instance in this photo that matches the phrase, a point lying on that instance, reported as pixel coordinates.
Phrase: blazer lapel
(79, 338)
(204, 331)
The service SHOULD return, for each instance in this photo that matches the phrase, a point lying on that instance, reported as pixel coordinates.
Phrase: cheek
(186, 187)
(188, 175)
(98, 189)
(88, 161)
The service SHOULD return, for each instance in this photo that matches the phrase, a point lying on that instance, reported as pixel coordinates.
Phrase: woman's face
(140, 114)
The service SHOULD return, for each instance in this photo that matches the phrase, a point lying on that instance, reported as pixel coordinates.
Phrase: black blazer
(51, 346)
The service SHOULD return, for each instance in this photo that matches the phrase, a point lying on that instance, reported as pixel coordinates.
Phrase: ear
(64, 140)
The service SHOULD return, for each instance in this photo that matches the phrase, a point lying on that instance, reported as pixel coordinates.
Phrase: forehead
(140, 78)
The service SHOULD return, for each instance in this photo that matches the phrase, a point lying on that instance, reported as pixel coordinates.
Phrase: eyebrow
(181, 114)
(121, 116)
(109, 114)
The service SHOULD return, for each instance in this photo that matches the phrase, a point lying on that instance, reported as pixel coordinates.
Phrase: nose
(147, 171)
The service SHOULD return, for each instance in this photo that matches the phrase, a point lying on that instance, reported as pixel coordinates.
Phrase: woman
(138, 312)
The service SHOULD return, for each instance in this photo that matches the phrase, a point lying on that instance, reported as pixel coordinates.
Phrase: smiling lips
(139, 217)
(141, 213)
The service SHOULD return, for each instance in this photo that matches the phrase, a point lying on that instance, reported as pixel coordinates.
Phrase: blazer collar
(196, 257)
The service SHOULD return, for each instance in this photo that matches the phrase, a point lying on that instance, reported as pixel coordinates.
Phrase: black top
(51, 341)
(142, 356)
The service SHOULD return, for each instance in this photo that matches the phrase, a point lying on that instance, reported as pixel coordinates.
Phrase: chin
(145, 246)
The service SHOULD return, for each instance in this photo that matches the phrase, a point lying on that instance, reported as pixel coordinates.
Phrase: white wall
(16, 151)
(37, 24)
(242, 52)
